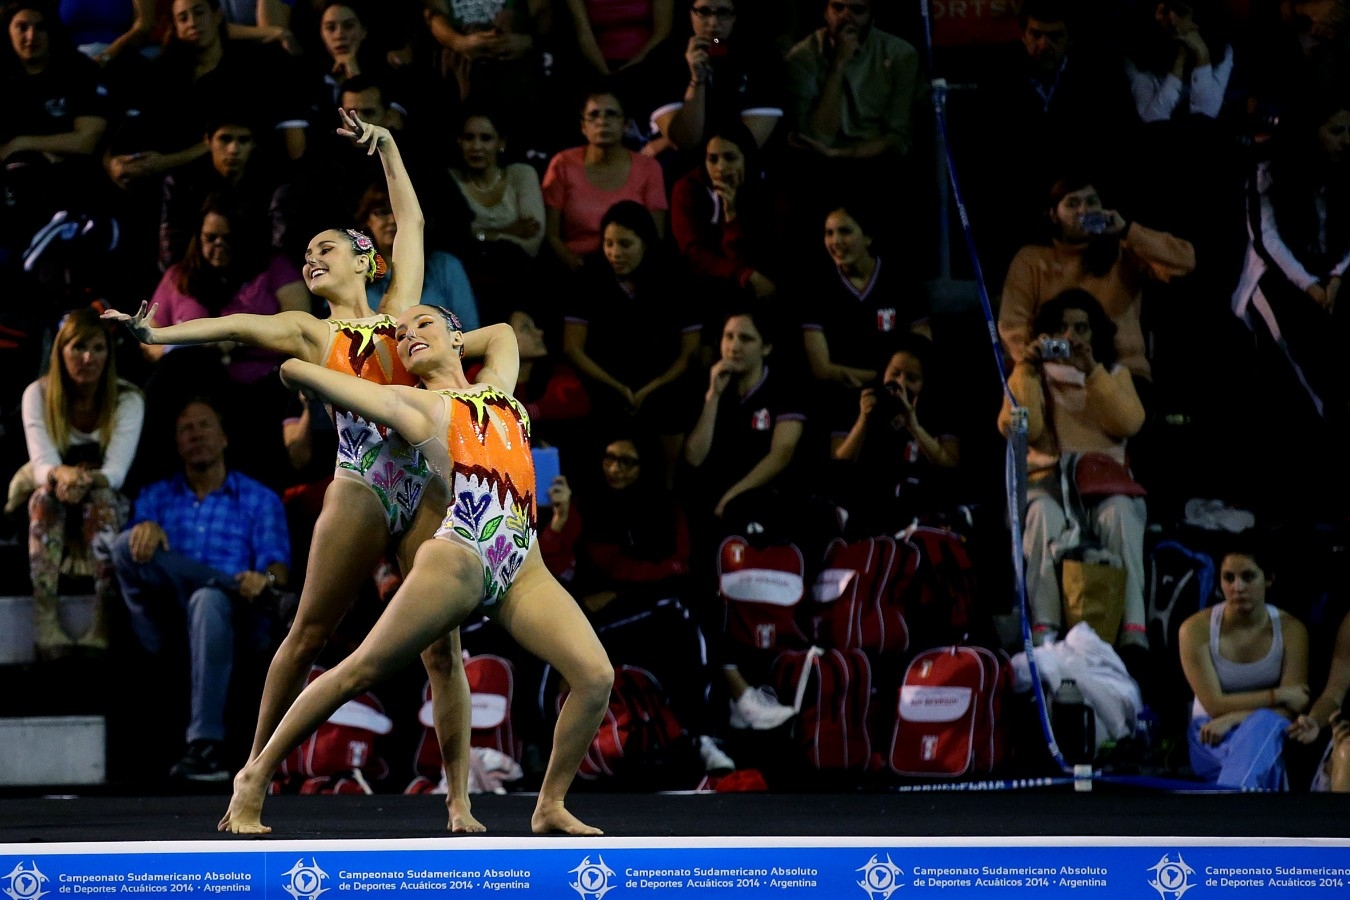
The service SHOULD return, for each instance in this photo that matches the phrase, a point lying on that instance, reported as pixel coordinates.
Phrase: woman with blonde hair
(82, 424)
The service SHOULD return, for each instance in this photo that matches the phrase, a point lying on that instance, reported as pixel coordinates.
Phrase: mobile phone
(546, 468)
(717, 48)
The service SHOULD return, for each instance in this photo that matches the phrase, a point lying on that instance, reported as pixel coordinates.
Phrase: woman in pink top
(219, 277)
(582, 183)
(614, 35)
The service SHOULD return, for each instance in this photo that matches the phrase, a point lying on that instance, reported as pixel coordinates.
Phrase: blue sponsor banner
(622, 868)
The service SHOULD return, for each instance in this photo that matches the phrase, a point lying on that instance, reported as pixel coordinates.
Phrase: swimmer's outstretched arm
(409, 262)
(501, 354)
(409, 411)
(294, 333)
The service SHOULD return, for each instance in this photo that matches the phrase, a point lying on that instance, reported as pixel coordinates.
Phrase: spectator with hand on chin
(726, 221)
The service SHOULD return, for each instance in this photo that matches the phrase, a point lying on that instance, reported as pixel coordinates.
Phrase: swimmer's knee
(594, 680)
(439, 658)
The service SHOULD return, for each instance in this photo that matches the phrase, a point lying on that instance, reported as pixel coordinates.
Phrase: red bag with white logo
(762, 587)
(492, 682)
(858, 595)
(344, 744)
(948, 719)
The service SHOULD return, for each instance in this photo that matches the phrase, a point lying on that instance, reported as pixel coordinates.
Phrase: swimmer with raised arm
(484, 556)
(383, 490)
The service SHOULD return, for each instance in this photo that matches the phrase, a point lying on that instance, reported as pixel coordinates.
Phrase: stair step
(16, 624)
(53, 750)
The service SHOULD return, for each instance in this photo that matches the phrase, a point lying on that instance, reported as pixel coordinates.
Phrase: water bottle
(1074, 723)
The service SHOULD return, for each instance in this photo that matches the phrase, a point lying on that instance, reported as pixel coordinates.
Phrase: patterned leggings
(103, 511)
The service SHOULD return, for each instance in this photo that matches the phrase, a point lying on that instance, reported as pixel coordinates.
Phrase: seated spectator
(232, 171)
(745, 438)
(717, 75)
(200, 565)
(445, 283)
(491, 51)
(616, 37)
(1180, 66)
(81, 423)
(349, 51)
(1188, 168)
(628, 329)
(899, 469)
(1298, 250)
(852, 86)
(851, 309)
(1328, 712)
(507, 206)
(556, 400)
(726, 221)
(1247, 664)
(1085, 403)
(739, 456)
(583, 183)
(1094, 248)
(1061, 100)
(623, 544)
(199, 73)
(56, 114)
(223, 273)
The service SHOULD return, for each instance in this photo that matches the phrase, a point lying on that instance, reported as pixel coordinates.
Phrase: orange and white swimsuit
(396, 472)
(485, 457)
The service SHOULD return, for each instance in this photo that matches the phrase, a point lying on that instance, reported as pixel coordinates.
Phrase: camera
(1053, 348)
(1094, 222)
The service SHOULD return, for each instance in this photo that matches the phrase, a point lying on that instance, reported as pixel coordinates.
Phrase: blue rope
(1018, 436)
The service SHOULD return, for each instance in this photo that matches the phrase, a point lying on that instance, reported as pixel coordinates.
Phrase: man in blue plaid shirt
(208, 548)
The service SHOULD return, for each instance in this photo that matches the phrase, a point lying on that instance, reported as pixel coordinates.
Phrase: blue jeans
(1249, 756)
(159, 593)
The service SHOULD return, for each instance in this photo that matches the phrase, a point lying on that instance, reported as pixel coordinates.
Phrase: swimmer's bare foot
(462, 820)
(553, 817)
(244, 815)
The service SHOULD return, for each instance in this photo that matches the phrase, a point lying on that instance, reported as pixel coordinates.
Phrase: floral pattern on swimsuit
(493, 509)
(395, 472)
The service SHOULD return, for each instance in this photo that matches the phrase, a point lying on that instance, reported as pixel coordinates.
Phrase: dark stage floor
(1026, 813)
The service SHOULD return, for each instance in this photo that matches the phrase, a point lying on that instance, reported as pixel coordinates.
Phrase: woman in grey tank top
(1247, 664)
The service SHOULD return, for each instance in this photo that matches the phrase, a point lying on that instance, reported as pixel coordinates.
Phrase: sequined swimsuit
(372, 454)
(485, 457)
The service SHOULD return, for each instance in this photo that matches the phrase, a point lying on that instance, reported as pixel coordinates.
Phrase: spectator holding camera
(1079, 399)
(1094, 248)
(900, 465)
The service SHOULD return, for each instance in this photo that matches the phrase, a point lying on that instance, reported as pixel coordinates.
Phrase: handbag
(1102, 475)
(1094, 592)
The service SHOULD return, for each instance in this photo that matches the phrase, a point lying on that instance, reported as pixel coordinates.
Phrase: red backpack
(762, 588)
(939, 594)
(491, 690)
(948, 716)
(832, 693)
(639, 739)
(342, 746)
(858, 595)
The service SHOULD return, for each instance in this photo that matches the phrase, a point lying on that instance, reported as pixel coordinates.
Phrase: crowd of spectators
(716, 227)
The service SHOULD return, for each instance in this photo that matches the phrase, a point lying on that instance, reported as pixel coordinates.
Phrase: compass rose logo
(25, 884)
(305, 882)
(592, 878)
(1171, 879)
(881, 879)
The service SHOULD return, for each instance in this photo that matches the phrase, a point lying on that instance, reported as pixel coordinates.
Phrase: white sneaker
(759, 709)
(715, 762)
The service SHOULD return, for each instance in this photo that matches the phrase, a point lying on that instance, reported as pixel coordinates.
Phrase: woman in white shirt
(1181, 67)
(507, 205)
(82, 425)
